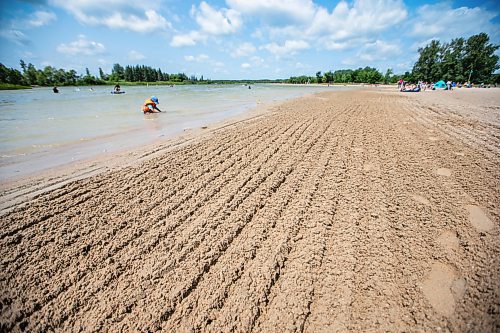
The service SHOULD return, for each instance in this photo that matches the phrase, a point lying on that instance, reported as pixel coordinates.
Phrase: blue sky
(234, 38)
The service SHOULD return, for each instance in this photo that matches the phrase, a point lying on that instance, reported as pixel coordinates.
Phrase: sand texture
(339, 212)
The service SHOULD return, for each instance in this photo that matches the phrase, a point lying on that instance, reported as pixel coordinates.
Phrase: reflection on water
(40, 129)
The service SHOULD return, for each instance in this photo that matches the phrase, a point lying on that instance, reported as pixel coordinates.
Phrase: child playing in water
(150, 105)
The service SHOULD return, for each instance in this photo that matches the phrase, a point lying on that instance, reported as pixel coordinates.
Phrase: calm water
(40, 130)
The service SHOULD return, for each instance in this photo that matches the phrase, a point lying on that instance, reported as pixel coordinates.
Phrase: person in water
(55, 90)
(150, 105)
(117, 88)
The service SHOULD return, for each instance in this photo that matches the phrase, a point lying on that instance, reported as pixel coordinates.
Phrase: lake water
(40, 130)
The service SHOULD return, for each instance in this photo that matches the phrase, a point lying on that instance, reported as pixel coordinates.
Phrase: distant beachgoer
(412, 88)
(117, 88)
(249, 87)
(448, 85)
(150, 105)
(55, 90)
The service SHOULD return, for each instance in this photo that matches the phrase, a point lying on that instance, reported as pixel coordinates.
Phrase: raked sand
(350, 211)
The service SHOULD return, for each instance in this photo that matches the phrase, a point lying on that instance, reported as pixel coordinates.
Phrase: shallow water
(40, 129)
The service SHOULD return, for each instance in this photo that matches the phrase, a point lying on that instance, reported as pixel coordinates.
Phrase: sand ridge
(326, 215)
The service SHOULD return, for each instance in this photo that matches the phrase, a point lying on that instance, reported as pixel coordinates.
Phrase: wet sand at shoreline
(345, 211)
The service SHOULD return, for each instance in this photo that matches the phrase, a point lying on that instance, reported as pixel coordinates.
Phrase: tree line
(460, 60)
(360, 75)
(50, 76)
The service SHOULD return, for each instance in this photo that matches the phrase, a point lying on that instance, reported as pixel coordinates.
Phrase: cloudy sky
(235, 38)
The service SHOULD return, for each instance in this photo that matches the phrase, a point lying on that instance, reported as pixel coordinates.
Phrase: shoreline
(19, 189)
(339, 211)
(91, 133)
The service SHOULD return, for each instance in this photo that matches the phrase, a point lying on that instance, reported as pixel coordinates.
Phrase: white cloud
(299, 65)
(189, 39)
(15, 36)
(82, 46)
(152, 22)
(348, 61)
(364, 18)
(379, 50)
(347, 25)
(440, 20)
(213, 22)
(243, 50)
(254, 62)
(198, 58)
(404, 65)
(204, 59)
(27, 55)
(276, 12)
(422, 43)
(119, 14)
(135, 55)
(257, 61)
(378, 53)
(290, 47)
(41, 18)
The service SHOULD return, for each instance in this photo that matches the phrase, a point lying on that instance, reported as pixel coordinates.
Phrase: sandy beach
(352, 211)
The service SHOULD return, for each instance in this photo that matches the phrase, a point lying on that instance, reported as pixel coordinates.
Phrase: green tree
(452, 60)
(10, 75)
(30, 75)
(103, 76)
(388, 76)
(319, 77)
(23, 65)
(458, 60)
(329, 77)
(480, 60)
(59, 77)
(428, 65)
(71, 77)
(117, 73)
(129, 74)
(343, 76)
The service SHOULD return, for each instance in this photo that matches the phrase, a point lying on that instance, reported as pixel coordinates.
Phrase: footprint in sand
(443, 288)
(448, 240)
(478, 218)
(370, 167)
(443, 172)
(421, 199)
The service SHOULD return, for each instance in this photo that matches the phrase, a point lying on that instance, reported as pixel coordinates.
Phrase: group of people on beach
(405, 86)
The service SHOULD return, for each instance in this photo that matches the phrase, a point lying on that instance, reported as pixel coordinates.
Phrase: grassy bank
(8, 86)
